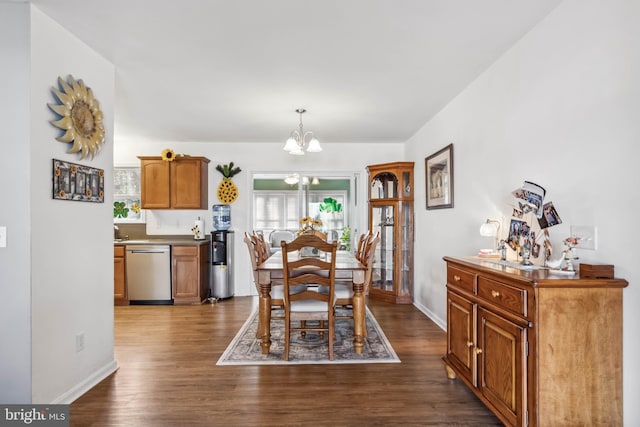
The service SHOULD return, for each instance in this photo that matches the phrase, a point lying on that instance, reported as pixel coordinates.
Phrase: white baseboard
(87, 384)
(431, 315)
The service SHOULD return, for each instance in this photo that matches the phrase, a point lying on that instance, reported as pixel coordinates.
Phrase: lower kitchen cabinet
(119, 276)
(537, 348)
(189, 274)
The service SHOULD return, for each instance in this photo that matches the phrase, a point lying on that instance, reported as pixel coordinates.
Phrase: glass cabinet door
(383, 263)
(406, 252)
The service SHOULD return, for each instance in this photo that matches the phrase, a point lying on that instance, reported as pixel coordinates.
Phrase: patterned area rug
(245, 347)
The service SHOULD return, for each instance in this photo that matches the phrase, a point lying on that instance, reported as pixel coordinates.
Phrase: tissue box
(596, 271)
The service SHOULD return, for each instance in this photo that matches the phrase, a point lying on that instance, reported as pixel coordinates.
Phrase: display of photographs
(439, 178)
(77, 182)
(530, 197)
(549, 216)
(517, 229)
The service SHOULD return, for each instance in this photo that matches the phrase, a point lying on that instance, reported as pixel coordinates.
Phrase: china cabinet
(391, 215)
(178, 184)
(537, 348)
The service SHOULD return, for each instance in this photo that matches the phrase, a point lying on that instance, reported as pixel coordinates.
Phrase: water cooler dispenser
(221, 277)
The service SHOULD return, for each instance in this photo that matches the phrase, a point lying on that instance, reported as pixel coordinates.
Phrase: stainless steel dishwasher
(149, 274)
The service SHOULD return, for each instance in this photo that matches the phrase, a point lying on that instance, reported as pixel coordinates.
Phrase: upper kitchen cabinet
(178, 184)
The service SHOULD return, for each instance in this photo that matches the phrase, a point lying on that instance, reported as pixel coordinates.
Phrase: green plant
(330, 205)
(345, 238)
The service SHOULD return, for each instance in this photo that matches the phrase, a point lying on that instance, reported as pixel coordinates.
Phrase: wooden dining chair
(277, 288)
(344, 289)
(314, 310)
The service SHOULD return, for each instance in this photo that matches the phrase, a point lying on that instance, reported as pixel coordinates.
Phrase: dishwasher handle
(148, 249)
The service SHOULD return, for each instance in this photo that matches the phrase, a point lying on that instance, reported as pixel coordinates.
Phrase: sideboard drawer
(461, 279)
(508, 297)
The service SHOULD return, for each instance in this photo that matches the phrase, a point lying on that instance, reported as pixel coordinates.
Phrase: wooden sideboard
(538, 348)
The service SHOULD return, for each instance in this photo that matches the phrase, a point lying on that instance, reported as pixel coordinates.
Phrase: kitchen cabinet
(189, 274)
(536, 347)
(391, 215)
(178, 184)
(119, 276)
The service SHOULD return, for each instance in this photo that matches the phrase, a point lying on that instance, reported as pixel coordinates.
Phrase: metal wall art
(81, 118)
(77, 182)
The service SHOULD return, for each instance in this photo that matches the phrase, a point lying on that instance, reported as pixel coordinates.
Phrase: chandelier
(299, 139)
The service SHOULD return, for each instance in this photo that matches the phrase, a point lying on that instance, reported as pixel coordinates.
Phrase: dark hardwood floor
(168, 377)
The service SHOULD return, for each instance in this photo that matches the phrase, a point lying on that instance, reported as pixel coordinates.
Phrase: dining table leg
(264, 312)
(359, 323)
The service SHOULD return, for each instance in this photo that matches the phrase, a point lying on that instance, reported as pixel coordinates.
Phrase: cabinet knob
(469, 343)
(456, 278)
(495, 294)
(478, 350)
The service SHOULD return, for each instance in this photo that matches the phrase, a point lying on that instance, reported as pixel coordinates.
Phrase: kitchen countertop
(182, 241)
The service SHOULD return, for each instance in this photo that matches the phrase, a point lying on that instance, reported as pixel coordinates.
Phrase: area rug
(312, 349)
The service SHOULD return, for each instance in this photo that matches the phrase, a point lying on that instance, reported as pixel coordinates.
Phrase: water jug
(221, 217)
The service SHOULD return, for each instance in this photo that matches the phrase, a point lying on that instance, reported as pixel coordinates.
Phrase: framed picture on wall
(77, 182)
(439, 178)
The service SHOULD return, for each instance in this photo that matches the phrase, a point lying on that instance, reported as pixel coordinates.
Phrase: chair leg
(331, 338)
(287, 338)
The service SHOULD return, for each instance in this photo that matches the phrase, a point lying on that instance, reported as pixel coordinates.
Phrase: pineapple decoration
(227, 190)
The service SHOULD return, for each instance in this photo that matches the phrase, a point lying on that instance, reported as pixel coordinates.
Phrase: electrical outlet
(588, 235)
(79, 342)
(3, 237)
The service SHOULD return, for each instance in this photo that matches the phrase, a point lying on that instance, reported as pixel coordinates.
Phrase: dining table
(348, 268)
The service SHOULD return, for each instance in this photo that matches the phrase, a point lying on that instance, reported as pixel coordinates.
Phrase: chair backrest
(278, 236)
(254, 257)
(318, 233)
(362, 241)
(261, 246)
(367, 259)
(309, 270)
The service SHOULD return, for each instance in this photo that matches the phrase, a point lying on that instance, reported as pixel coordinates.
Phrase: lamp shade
(291, 179)
(290, 145)
(314, 146)
(489, 229)
(297, 151)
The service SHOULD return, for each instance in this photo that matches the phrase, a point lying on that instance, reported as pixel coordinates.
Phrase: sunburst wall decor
(81, 118)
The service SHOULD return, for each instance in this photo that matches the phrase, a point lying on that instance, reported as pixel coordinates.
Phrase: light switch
(3, 237)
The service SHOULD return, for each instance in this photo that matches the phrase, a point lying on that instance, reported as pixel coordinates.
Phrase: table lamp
(490, 228)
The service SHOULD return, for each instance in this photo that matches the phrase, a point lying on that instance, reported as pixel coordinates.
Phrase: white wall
(71, 242)
(561, 109)
(253, 157)
(15, 290)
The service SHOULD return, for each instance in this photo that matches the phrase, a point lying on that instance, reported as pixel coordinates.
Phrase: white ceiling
(236, 70)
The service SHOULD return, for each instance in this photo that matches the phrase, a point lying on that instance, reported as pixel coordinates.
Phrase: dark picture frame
(76, 182)
(438, 169)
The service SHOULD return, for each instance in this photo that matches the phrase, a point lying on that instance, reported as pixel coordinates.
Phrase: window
(126, 195)
(275, 210)
(278, 205)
